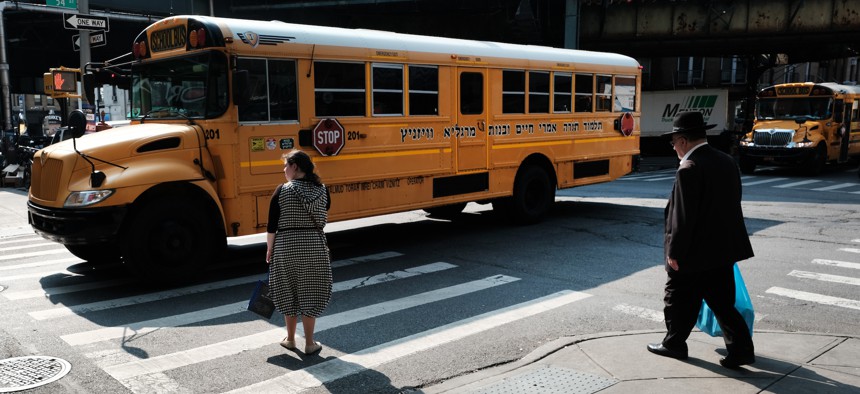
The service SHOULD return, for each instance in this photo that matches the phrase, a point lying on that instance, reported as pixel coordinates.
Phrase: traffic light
(111, 78)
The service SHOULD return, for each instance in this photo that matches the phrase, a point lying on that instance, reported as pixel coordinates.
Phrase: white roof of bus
(853, 89)
(361, 38)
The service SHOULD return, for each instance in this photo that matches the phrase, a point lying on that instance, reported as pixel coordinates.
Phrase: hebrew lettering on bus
(416, 133)
(460, 132)
(499, 129)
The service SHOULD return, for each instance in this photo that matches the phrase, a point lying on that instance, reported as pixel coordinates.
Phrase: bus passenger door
(470, 132)
(847, 128)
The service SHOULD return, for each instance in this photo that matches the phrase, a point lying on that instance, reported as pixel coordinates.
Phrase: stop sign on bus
(328, 137)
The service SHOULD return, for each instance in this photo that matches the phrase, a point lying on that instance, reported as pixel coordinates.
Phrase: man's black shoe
(660, 350)
(735, 362)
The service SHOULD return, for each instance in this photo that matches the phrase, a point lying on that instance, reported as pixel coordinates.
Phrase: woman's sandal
(291, 345)
(313, 349)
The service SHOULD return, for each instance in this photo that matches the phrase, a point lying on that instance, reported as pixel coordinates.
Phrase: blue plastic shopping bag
(708, 322)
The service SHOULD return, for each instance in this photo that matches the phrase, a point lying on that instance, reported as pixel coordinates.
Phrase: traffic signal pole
(4, 76)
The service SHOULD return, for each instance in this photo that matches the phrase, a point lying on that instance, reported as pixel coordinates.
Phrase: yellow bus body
(803, 124)
(497, 120)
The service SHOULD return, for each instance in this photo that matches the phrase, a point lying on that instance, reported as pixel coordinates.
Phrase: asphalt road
(418, 300)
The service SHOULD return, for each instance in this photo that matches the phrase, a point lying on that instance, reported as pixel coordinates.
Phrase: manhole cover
(22, 373)
(550, 379)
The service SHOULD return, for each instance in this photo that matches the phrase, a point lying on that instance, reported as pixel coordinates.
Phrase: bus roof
(363, 38)
(840, 88)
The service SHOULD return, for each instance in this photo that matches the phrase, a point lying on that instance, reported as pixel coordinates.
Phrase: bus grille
(775, 138)
(46, 179)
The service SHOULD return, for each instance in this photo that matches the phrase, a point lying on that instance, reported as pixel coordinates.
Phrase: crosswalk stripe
(234, 346)
(19, 238)
(850, 250)
(836, 263)
(364, 259)
(644, 313)
(825, 277)
(158, 296)
(51, 291)
(132, 330)
(665, 178)
(39, 264)
(386, 277)
(331, 370)
(28, 246)
(139, 299)
(835, 187)
(33, 254)
(31, 275)
(763, 181)
(817, 298)
(800, 183)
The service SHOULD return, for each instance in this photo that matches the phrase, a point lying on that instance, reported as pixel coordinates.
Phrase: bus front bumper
(76, 226)
(778, 155)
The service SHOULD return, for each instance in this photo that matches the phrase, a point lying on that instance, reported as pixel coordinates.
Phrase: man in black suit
(705, 236)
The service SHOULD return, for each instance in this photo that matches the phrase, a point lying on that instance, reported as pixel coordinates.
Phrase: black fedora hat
(691, 122)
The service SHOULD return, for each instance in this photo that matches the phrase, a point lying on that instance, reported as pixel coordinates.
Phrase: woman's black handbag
(261, 303)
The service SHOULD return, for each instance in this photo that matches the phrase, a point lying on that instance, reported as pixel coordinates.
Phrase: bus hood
(119, 144)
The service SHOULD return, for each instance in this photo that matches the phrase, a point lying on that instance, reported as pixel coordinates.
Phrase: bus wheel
(533, 196)
(747, 164)
(168, 241)
(446, 211)
(817, 161)
(97, 254)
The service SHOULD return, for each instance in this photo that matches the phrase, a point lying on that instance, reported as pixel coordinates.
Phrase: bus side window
(387, 82)
(584, 88)
(840, 108)
(513, 92)
(258, 104)
(604, 93)
(283, 102)
(423, 90)
(561, 92)
(538, 92)
(471, 93)
(339, 89)
(625, 94)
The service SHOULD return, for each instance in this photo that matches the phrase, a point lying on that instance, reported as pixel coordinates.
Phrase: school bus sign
(328, 137)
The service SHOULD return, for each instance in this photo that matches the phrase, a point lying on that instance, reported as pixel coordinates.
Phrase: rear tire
(168, 241)
(533, 196)
(97, 254)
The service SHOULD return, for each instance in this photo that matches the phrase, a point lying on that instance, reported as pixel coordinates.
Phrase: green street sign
(62, 3)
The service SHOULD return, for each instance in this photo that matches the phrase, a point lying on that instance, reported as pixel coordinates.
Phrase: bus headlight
(745, 143)
(804, 144)
(86, 197)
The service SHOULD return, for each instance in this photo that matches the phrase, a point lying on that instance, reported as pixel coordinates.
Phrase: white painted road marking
(817, 298)
(644, 313)
(837, 263)
(825, 277)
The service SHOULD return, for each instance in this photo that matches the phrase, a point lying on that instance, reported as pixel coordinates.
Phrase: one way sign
(96, 40)
(85, 22)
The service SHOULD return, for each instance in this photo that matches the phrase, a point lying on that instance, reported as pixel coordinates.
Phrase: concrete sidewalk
(619, 362)
(13, 204)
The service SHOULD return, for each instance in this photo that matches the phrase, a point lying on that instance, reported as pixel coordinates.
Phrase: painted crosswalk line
(644, 313)
(825, 277)
(813, 297)
(837, 263)
(187, 357)
(349, 364)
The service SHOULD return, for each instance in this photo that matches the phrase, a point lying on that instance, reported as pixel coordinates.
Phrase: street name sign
(96, 40)
(85, 22)
(73, 4)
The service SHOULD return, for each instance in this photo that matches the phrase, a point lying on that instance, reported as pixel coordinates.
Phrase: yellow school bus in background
(803, 124)
(394, 123)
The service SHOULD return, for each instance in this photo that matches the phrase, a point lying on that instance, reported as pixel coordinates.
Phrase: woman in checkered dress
(297, 253)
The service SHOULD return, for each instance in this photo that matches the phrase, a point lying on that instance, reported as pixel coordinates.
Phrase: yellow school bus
(394, 123)
(803, 124)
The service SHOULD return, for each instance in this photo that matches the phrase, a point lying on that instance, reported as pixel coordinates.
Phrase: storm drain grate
(550, 379)
(22, 373)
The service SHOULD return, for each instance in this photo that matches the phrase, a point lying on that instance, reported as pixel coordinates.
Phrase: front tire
(168, 241)
(747, 164)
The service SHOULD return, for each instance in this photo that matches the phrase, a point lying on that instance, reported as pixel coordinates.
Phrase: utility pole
(84, 8)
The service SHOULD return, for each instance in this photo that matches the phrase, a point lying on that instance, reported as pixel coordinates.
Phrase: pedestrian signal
(64, 81)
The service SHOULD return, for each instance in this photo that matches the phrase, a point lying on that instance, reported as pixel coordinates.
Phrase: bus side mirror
(88, 87)
(241, 87)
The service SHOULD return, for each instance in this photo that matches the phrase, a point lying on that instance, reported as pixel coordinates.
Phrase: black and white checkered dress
(300, 270)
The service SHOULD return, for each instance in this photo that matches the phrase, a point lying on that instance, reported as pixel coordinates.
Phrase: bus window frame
(535, 95)
(603, 100)
(410, 91)
(568, 94)
(374, 90)
(362, 91)
(580, 95)
(509, 96)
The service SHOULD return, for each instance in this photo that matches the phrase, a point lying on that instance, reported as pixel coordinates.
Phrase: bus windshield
(184, 87)
(794, 108)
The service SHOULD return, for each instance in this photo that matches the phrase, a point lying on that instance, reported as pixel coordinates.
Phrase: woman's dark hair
(305, 164)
